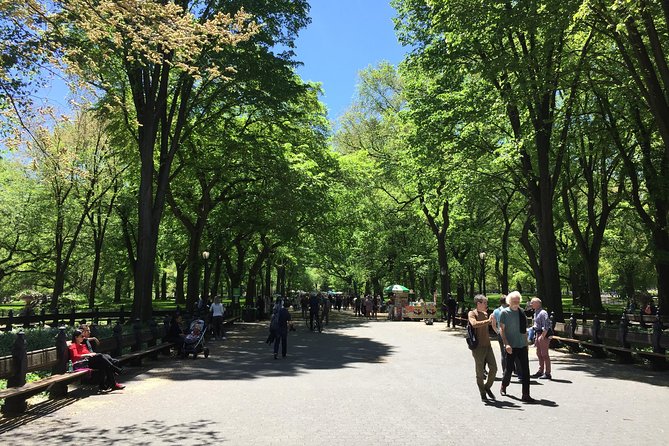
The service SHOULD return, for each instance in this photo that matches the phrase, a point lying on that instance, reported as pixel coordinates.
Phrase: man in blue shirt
(513, 330)
(495, 325)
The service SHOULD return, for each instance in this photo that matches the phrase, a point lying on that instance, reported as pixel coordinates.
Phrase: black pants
(218, 326)
(108, 370)
(283, 339)
(521, 355)
(313, 314)
(450, 320)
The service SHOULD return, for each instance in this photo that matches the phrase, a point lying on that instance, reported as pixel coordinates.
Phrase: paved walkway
(358, 383)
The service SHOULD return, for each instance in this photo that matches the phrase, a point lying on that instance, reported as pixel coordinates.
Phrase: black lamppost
(205, 290)
(482, 256)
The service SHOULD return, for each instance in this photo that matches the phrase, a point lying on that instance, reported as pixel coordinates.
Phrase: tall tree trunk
(504, 275)
(118, 287)
(94, 276)
(163, 287)
(532, 255)
(543, 212)
(179, 295)
(268, 279)
(156, 285)
(216, 285)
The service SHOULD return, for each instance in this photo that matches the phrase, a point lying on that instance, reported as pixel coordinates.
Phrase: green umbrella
(396, 289)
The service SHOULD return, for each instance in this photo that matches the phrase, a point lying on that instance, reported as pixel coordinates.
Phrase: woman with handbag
(82, 358)
(542, 329)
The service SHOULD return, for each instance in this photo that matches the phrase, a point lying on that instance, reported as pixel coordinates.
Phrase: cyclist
(314, 303)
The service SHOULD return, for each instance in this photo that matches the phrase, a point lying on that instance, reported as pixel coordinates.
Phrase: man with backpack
(483, 353)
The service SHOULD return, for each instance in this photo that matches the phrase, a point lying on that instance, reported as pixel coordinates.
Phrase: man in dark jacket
(314, 304)
(452, 308)
(282, 332)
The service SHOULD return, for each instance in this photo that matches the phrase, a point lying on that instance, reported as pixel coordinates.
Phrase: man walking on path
(495, 325)
(282, 332)
(452, 308)
(541, 325)
(327, 305)
(314, 303)
(483, 353)
(513, 329)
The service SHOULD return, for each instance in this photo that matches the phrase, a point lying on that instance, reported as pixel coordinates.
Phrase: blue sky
(344, 37)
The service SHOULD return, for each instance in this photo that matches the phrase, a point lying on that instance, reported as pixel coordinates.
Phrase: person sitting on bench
(82, 358)
(91, 343)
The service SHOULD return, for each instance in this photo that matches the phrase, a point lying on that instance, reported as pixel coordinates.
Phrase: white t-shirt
(217, 309)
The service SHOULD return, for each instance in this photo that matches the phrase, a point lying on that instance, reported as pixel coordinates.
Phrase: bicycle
(318, 323)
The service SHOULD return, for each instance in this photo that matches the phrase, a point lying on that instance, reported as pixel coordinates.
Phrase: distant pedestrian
(304, 304)
(368, 306)
(483, 353)
(513, 329)
(327, 306)
(314, 303)
(217, 311)
(541, 325)
(452, 309)
(282, 332)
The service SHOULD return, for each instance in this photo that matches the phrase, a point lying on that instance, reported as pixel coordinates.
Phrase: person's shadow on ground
(502, 404)
(537, 402)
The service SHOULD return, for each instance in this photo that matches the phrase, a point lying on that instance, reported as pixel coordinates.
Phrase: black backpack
(472, 340)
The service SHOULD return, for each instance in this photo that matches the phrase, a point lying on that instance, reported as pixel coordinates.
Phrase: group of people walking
(510, 324)
(367, 306)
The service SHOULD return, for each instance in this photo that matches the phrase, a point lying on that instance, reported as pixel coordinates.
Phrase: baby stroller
(194, 341)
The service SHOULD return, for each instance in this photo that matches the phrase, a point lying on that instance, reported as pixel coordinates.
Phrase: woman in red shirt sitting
(82, 358)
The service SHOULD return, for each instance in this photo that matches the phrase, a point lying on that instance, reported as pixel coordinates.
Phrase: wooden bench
(135, 358)
(574, 345)
(55, 359)
(596, 350)
(15, 397)
(624, 355)
(658, 361)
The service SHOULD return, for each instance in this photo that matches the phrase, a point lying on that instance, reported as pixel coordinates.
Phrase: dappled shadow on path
(37, 411)
(245, 355)
(152, 431)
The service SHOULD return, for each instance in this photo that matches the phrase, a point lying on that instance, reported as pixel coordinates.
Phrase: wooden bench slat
(42, 383)
(148, 351)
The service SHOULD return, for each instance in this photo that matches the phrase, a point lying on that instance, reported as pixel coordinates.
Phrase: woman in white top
(217, 312)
